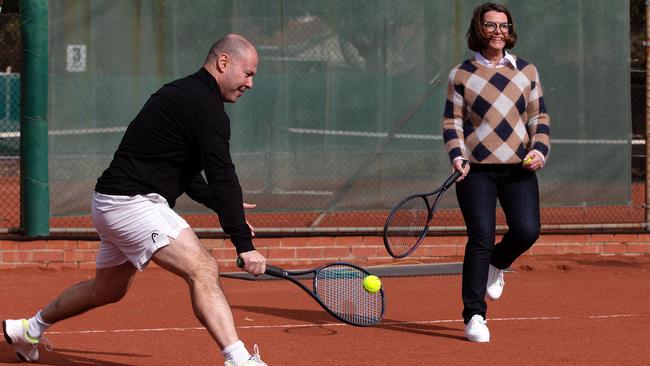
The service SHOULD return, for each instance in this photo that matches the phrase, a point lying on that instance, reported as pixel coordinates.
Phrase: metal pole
(35, 204)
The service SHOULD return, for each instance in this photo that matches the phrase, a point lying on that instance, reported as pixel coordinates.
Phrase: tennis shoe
(495, 283)
(25, 346)
(254, 360)
(476, 330)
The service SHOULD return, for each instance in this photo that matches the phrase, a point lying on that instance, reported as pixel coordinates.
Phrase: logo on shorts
(154, 235)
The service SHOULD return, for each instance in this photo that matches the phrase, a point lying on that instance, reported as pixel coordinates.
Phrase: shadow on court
(421, 329)
(66, 357)
(319, 318)
(311, 316)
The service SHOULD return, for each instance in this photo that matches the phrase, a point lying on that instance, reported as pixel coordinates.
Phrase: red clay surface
(569, 310)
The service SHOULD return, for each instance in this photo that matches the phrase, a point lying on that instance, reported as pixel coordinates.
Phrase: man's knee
(204, 270)
(110, 294)
(112, 287)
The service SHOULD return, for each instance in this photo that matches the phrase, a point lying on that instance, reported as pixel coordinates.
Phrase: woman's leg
(477, 195)
(519, 198)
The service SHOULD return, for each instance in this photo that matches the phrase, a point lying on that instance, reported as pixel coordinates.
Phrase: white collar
(508, 58)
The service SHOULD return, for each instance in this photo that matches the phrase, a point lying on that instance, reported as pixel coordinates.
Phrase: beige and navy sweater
(495, 115)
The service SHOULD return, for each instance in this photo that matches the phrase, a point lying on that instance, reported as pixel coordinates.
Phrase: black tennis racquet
(408, 222)
(337, 288)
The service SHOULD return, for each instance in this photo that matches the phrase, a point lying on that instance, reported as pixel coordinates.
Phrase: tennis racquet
(408, 222)
(337, 288)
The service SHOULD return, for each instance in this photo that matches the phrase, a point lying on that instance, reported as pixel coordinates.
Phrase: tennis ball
(528, 161)
(372, 284)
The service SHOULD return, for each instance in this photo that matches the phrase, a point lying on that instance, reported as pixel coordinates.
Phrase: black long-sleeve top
(182, 130)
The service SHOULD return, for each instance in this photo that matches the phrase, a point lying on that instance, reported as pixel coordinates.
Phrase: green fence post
(35, 199)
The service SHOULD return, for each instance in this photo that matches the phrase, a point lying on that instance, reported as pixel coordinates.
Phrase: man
(182, 130)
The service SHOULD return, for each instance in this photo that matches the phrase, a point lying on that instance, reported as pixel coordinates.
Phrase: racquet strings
(407, 225)
(340, 288)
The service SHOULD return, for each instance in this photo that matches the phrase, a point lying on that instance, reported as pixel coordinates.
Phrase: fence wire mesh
(315, 143)
(10, 67)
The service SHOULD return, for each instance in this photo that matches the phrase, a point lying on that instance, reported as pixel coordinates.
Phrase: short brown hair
(477, 39)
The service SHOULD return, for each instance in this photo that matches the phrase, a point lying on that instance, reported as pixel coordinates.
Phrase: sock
(236, 352)
(37, 326)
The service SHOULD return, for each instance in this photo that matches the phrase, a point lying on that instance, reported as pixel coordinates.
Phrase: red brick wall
(301, 252)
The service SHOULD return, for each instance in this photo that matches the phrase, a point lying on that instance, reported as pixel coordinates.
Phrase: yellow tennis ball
(528, 161)
(372, 284)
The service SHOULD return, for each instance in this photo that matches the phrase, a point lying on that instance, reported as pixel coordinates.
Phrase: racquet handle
(454, 177)
(275, 271)
(270, 270)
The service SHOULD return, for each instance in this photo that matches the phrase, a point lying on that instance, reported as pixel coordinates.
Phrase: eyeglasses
(492, 26)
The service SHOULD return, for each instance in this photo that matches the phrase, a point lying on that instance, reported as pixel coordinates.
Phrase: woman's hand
(458, 165)
(533, 161)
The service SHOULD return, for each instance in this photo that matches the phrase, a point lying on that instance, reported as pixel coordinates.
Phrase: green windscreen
(345, 114)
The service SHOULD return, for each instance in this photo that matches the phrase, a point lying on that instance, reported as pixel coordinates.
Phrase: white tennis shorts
(132, 228)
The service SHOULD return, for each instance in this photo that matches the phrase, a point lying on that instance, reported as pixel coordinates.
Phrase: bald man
(181, 131)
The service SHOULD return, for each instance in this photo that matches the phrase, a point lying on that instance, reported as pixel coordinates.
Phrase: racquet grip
(455, 175)
(270, 270)
(275, 271)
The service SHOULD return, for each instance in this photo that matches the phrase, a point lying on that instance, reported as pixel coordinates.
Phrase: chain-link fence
(344, 119)
(10, 67)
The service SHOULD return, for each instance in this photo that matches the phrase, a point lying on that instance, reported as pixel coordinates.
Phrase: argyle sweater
(495, 115)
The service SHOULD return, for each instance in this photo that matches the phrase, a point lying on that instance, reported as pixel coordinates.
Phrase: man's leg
(109, 286)
(186, 257)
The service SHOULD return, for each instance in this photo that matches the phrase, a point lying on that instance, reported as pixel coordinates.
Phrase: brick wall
(303, 252)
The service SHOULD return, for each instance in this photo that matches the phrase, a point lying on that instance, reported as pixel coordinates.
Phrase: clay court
(565, 309)
(343, 122)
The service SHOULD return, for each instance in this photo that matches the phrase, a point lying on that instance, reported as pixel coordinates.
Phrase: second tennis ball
(372, 284)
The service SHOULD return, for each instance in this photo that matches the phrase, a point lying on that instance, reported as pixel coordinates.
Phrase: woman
(495, 119)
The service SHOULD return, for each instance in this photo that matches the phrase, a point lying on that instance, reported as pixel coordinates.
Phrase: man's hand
(254, 262)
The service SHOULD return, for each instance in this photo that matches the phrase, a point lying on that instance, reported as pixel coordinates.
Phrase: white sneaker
(495, 283)
(25, 346)
(476, 330)
(254, 360)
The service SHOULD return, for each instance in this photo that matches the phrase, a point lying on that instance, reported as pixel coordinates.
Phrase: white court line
(281, 191)
(316, 131)
(612, 316)
(151, 330)
(84, 131)
(412, 136)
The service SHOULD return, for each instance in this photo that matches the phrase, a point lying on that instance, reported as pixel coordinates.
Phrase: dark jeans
(518, 193)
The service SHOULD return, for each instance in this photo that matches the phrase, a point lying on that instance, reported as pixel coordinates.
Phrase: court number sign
(76, 58)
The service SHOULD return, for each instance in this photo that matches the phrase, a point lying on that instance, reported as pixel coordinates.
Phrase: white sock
(236, 352)
(37, 326)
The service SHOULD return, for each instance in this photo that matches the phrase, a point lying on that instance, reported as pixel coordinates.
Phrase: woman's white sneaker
(476, 329)
(495, 283)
